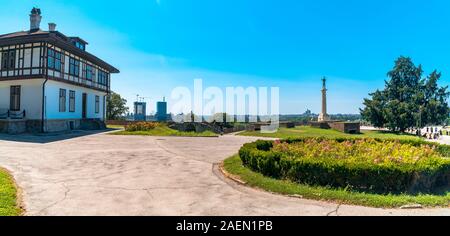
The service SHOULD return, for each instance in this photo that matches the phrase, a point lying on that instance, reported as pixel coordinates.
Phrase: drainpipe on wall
(43, 105)
(104, 108)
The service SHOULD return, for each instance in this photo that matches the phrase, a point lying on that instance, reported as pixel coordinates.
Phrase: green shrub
(361, 164)
(141, 126)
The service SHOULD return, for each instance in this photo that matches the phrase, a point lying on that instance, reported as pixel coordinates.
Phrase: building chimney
(51, 27)
(35, 19)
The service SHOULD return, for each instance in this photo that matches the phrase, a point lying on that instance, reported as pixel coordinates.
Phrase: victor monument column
(323, 116)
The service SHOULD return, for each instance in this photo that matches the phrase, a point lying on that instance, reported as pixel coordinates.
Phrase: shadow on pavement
(49, 137)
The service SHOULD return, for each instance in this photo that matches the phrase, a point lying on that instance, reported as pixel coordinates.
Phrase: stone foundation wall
(3, 127)
(91, 124)
(67, 125)
(51, 126)
(13, 126)
(34, 126)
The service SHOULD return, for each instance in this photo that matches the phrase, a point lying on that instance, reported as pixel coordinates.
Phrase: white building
(49, 82)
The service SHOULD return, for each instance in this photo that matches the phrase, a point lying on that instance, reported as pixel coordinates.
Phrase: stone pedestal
(323, 117)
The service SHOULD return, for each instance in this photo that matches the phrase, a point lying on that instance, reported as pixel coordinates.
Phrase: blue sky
(162, 44)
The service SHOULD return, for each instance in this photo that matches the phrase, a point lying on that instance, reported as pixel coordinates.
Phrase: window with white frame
(90, 74)
(74, 67)
(62, 100)
(71, 101)
(9, 60)
(54, 60)
(14, 104)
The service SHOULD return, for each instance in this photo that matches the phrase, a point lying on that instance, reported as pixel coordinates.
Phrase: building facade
(140, 111)
(49, 82)
(161, 111)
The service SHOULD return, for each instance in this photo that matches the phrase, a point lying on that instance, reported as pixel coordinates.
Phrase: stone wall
(92, 124)
(213, 127)
(3, 127)
(77, 124)
(13, 126)
(346, 127)
(51, 126)
(34, 126)
(320, 125)
(257, 126)
(195, 127)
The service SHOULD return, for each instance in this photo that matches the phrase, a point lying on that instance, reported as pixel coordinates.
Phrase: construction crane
(141, 99)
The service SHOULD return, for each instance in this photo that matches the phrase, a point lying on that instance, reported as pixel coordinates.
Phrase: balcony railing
(9, 114)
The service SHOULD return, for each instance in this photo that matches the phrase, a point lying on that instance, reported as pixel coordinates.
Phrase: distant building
(161, 110)
(307, 113)
(140, 111)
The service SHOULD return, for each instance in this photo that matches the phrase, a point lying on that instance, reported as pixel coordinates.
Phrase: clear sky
(162, 44)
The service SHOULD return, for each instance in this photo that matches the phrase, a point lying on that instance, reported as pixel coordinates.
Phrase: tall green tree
(375, 109)
(408, 100)
(116, 106)
(435, 107)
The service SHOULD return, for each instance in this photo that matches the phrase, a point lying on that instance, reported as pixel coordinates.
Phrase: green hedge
(425, 176)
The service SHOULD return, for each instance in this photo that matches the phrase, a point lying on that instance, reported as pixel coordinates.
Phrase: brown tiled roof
(23, 33)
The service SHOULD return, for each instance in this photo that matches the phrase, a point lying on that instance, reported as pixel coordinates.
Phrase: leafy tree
(375, 107)
(408, 100)
(435, 109)
(116, 106)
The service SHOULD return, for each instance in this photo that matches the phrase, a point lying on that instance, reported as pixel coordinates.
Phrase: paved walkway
(444, 139)
(134, 175)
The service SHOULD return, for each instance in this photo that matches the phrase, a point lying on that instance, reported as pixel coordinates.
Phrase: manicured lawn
(233, 165)
(306, 131)
(166, 131)
(8, 195)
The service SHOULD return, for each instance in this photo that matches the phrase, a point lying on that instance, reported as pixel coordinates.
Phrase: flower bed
(360, 164)
(141, 126)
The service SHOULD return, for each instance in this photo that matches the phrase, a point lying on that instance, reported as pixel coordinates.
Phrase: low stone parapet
(346, 127)
(343, 126)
